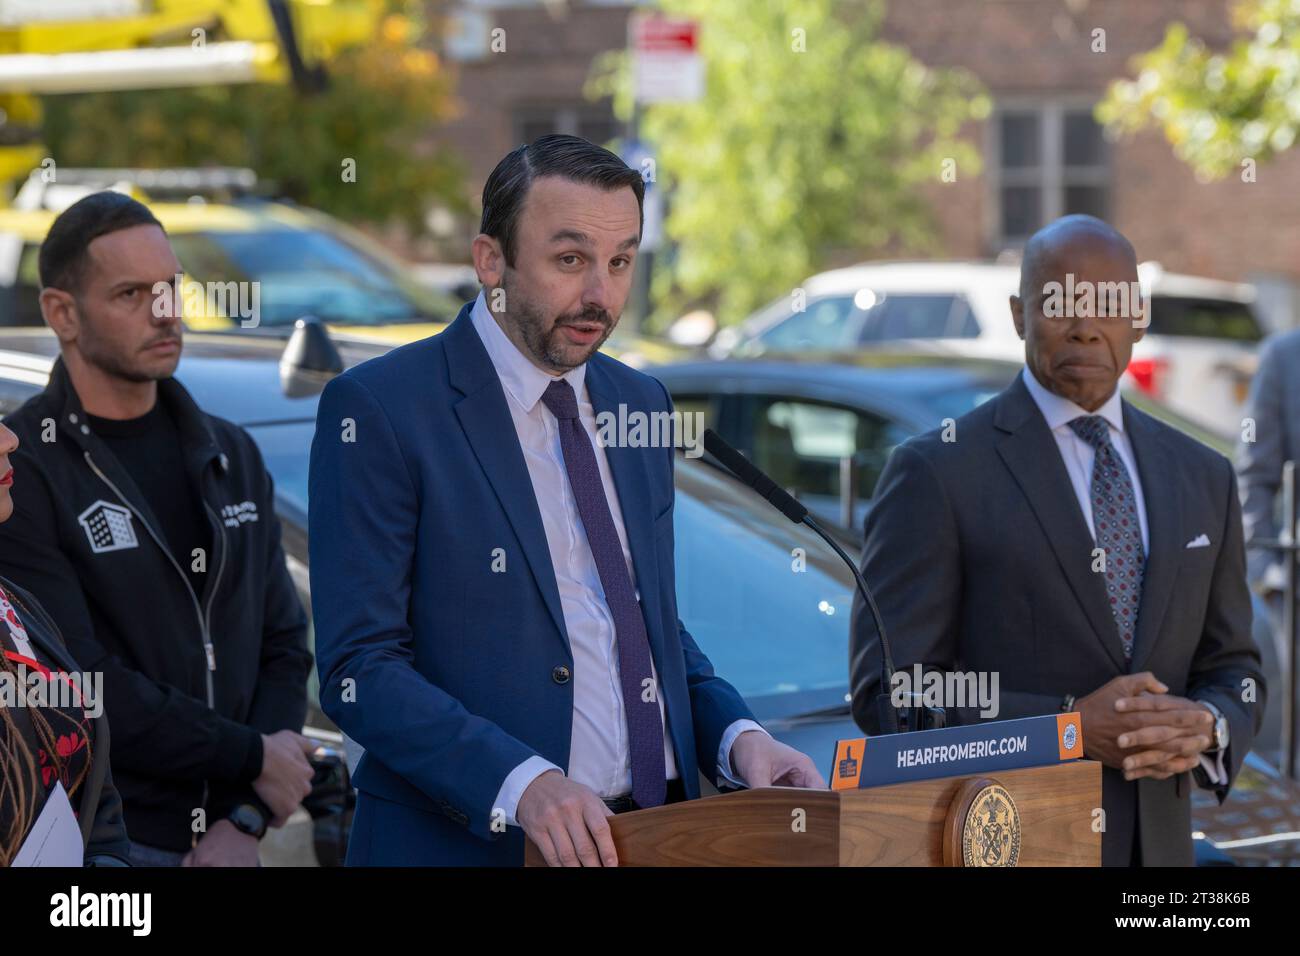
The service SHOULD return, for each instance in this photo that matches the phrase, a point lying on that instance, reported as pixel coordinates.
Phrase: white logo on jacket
(235, 515)
(108, 527)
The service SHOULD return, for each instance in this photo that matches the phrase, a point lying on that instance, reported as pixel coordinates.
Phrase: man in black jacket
(147, 529)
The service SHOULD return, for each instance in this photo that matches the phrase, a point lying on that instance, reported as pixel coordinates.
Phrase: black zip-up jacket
(190, 681)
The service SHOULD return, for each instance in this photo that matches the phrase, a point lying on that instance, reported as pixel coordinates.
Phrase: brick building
(1043, 154)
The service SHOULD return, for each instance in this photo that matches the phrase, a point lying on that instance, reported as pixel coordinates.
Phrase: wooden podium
(906, 824)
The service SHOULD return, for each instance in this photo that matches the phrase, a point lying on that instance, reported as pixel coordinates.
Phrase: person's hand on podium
(762, 761)
(567, 822)
(1132, 723)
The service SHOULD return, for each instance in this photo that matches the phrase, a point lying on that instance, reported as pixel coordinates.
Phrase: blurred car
(810, 420)
(1197, 357)
(780, 638)
(303, 261)
(823, 430)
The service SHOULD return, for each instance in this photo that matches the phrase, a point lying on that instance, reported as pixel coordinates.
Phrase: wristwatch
(1220, 727)
(1067, 703)
(248, 819)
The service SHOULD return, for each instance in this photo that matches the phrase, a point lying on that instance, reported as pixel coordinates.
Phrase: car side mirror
(310, 359)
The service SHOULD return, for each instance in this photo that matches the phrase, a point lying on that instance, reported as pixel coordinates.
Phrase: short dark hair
(62, 260)
(568, 157)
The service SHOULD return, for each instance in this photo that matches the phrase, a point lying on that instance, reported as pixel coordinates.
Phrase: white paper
(55, 838)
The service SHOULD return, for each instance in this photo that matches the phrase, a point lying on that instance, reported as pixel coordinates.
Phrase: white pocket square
(1200, 541)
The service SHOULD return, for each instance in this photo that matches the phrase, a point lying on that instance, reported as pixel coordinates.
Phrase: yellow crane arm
(42, 36)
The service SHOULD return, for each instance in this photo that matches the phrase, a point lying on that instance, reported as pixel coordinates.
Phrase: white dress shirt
(598, 753)
(1078, 457)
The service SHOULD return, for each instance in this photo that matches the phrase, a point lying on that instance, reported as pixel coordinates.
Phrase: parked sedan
(823, 425)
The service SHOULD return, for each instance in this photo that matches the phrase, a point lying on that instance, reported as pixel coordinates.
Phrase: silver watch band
(1219, 721)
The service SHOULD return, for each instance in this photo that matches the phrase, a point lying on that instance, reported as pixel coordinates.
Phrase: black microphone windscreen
(751, 475)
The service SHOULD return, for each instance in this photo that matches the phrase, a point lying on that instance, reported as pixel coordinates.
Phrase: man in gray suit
(1088, 554)
(1274, 407)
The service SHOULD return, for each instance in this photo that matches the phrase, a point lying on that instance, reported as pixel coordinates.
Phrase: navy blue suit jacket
(439, 666)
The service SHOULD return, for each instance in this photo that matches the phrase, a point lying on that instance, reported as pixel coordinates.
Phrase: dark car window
(24, 304)
(1203, 318)
(802, 444)
(919, 317)
(305, 272)
(952, 403)
(703, 406)
(829, 322)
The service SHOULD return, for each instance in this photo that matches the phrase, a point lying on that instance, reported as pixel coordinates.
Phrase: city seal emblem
(983, 826)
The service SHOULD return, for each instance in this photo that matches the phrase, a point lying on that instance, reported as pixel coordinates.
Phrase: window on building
(593, 122)
(1049, 160)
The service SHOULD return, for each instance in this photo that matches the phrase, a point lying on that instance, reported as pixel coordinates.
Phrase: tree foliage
(1219, 108)
(813, 139)
(378, 109)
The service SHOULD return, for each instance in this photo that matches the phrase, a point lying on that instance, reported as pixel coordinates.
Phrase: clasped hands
(1133, 723)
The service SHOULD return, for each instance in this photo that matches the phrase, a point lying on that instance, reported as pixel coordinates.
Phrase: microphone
(918, 717)
(749, 474)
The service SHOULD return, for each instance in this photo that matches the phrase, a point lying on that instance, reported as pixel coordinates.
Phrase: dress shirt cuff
(724, 751)
(1214, 773)
(516, 783)
(1214, 768)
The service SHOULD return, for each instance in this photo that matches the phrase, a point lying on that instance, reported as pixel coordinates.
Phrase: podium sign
(948, 751)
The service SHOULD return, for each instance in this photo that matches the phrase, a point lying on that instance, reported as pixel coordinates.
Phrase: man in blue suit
(493, 586)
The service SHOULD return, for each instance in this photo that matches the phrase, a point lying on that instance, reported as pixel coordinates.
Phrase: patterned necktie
(645, 729)
(1116, 527)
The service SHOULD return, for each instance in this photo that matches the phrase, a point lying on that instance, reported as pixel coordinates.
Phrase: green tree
(1218, 108)
(377, 111)
(812, 140)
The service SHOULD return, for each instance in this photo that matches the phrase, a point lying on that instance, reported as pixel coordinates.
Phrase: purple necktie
(1118, 531)
(645, 729)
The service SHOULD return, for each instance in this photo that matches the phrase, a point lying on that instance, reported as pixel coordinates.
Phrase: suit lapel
(490, 431)
(1031, 453)
(628, 466)
(1161, 493)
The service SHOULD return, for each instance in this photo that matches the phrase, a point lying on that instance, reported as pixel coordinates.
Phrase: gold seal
(985, 823)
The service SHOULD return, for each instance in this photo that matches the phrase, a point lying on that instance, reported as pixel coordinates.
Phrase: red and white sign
(666, 62)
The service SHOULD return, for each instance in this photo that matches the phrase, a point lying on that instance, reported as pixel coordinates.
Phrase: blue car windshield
(304, 272)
